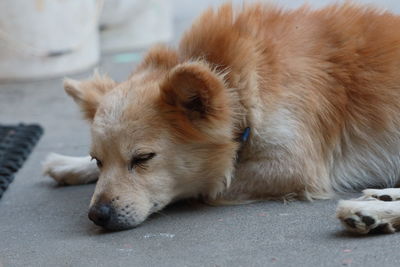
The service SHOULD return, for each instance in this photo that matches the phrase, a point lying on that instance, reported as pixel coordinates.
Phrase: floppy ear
(195, 91)
(88, 93)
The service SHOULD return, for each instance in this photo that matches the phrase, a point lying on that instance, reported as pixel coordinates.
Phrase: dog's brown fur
(319, 89)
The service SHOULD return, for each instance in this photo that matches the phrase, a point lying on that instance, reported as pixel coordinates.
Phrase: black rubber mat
(16, 143)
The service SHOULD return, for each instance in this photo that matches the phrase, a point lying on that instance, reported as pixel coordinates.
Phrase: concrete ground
(42, 224)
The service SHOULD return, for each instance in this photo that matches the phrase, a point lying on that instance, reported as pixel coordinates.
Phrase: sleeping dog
(256, 103)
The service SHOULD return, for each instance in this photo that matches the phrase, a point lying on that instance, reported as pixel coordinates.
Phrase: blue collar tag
(245, 135)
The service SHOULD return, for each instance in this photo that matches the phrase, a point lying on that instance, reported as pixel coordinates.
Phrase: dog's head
(163, 135)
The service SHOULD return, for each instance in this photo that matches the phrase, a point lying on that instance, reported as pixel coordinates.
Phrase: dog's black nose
(100, 214)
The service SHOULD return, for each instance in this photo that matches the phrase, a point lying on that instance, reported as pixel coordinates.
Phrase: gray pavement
(42, 224)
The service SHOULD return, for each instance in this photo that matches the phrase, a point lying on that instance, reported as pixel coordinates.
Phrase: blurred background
(48, 38)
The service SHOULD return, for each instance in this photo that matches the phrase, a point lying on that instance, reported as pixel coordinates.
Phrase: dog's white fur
(70, 170)
(369, 213)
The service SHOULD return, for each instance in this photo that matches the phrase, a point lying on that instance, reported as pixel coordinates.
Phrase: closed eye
(140, 160)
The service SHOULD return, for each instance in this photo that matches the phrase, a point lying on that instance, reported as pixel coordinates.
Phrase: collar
(245, 135)
(242, 139)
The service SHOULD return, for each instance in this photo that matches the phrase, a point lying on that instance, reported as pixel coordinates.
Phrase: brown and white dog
(257, 103)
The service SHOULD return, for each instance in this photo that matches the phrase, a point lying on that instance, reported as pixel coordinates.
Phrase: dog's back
(320, 90)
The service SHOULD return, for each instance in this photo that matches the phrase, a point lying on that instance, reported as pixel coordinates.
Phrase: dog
(256, 103)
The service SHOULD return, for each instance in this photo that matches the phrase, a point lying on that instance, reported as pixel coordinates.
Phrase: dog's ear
(88, 93)
(195, 90)
(195, 102)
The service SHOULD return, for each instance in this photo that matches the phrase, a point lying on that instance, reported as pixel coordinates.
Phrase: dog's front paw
(365, 216)
(70, 170)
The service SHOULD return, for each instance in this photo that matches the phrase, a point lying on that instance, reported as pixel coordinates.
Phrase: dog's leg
(70, 170)
(362, 216)
(388, 194)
